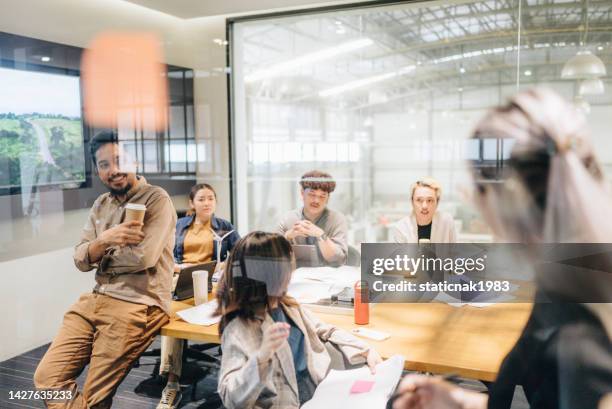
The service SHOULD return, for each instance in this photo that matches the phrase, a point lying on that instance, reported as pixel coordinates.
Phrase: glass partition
(382, 96)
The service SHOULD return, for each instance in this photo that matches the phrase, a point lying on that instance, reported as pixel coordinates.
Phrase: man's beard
(120, 192)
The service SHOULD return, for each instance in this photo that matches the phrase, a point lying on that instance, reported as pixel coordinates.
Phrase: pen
(448, 377)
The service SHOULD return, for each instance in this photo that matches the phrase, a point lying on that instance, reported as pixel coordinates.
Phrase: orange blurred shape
(124, 82)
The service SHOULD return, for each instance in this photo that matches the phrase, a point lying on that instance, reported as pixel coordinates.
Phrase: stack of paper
(344, 276)
(201, 314)
(358, 388)
(309, 292)
(309, 285)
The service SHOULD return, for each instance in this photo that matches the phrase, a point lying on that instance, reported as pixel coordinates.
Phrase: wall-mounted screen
(41, 130)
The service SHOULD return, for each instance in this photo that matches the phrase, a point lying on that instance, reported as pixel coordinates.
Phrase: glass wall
(382, 96)
(47, 184)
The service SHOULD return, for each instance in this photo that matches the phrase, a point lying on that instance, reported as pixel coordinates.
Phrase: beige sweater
(240, 385)
(442, 229)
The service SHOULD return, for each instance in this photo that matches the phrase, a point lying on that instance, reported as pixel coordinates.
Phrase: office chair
(205, 363)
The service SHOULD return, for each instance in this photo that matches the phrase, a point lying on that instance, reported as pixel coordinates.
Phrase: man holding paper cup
(128, 238)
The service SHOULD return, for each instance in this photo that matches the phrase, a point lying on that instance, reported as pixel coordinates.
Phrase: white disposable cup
(200, 286)
(135, 211)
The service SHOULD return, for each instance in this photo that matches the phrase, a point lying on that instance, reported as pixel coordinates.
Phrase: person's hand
(273, 338)
(295, 231)
(310, 229)
(123, 234)
(423, 392)
(220, 268)
(177, 268)
(373, 359)
(428, 392)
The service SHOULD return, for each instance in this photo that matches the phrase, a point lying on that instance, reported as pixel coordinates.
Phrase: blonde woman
(425, 222)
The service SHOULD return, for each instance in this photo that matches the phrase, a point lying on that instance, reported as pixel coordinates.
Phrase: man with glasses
(111, 326)
(426, 222)
(315, 223)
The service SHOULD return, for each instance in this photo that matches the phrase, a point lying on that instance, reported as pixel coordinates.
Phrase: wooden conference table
(434, 337)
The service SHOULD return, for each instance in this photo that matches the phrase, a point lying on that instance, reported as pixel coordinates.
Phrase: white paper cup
(200, 286)
(134, 211)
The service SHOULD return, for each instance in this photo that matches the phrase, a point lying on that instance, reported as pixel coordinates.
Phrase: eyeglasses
(313, 195)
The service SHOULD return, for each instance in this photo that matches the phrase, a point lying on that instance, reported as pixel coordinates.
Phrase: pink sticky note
(362, 386)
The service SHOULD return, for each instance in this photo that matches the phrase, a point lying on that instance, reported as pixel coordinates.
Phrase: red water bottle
(362, 308)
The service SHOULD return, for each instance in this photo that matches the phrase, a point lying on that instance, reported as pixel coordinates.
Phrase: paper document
(358, 387)
(311, 284)
(309, 292)
(201, 314)
(344, 276)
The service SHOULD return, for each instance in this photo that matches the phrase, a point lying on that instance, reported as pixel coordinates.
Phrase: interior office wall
(35, 297)
(38, 289)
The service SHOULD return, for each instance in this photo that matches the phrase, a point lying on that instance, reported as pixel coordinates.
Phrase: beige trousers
(171, 349)
(108, 334)
(171, 356)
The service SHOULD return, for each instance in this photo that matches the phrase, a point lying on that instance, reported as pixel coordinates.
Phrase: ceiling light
(528, 73)
(460, 89)
(45, 59)
(349, 86)
(462, 70)
(600, 48)
(306, 59)
(583, 65)
(591, 86)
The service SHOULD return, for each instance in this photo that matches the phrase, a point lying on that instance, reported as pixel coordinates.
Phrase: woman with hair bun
(552, 191)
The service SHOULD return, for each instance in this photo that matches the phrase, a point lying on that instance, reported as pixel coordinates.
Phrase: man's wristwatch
(322, 237)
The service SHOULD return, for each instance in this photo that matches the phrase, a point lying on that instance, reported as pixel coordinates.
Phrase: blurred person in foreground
(553, 192)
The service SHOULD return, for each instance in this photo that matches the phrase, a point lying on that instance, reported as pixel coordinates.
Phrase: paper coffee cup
(200, 286)
(134, 211)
